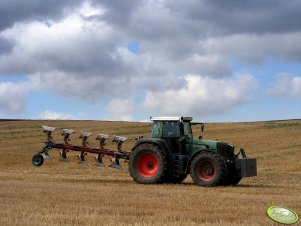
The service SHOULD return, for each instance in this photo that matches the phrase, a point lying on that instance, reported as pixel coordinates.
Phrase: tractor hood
(208, 143)
(223, 149)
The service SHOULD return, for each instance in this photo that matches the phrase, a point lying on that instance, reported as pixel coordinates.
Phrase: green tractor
(171, 153)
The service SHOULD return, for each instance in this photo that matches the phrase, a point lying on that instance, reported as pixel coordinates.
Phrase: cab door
(189, 146)
(171, 134)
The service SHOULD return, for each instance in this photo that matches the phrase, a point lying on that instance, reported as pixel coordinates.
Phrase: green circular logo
(282, 214)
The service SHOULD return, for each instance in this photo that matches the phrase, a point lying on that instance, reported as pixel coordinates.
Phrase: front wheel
(147, 164)
(37, 160)
(208, 169)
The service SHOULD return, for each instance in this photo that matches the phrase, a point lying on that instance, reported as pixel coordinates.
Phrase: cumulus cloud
(15, 11)
(250, 16)
(52, 115)
(254, 48)
(286, 85)
(120, 109)
(79, 48)
(12, 98)
(175, 40)
(202, 95)
(72, 44)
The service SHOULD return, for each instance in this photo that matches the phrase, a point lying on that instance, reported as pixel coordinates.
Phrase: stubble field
(59, 193)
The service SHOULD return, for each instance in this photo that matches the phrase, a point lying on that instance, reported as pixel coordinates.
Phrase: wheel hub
(150, 165)
(147, 165)
(206, 170)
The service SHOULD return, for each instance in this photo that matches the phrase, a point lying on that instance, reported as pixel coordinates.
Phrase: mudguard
(160, 142)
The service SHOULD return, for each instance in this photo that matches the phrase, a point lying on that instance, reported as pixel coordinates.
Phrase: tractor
(171, 153)
(168, 156)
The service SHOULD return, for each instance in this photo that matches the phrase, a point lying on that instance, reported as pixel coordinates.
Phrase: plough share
(65, 147)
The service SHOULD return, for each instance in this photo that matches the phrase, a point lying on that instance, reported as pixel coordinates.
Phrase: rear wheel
(37, 159)
(208, 169)
(147, 164)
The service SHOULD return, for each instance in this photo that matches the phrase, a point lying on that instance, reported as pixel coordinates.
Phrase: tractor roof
(172, 118)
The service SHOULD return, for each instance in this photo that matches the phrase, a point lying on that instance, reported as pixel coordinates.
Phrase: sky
(216, 60)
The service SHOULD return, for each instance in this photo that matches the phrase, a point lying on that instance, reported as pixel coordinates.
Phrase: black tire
(37, 160)
(147, 164)
(208, 169)
(173, 179)
(233, 177)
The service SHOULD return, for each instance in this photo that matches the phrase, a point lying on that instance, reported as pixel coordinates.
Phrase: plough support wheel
(38, 160)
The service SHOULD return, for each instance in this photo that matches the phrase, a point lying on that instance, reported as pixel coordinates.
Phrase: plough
(65, 147)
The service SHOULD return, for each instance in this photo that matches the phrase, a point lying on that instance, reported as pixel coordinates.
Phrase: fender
(192, 157)
(159, 142)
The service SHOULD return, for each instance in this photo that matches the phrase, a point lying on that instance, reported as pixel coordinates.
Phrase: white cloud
(72, 44)
(286, 85)
(12, 98)
(254, 48)
(51, 115)
(81, 51)
(87, 10)
(202, 95)
(120, 110)
(85, 52)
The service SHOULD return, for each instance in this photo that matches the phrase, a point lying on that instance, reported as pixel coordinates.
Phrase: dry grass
(70, 194)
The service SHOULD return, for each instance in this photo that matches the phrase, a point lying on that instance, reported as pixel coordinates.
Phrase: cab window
(156, 130)
(170, 129)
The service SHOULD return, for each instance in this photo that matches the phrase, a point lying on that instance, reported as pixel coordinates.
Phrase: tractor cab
(175, 131)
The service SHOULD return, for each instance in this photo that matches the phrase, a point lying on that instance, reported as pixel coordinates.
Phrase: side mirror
(202, 127)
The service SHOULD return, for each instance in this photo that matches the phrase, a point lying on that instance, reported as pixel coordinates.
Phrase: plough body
(38, 159)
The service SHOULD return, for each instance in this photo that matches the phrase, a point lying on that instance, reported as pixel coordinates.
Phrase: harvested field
(59, 193)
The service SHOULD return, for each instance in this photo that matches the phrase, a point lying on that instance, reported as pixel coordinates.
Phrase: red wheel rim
(206, 171)
(147, 165)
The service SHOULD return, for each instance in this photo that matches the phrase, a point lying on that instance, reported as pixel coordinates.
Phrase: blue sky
(107, 60)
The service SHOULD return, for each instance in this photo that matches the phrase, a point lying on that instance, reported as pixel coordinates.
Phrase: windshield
(170, 129)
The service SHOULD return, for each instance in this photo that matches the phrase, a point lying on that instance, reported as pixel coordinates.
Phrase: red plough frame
(65, 147)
